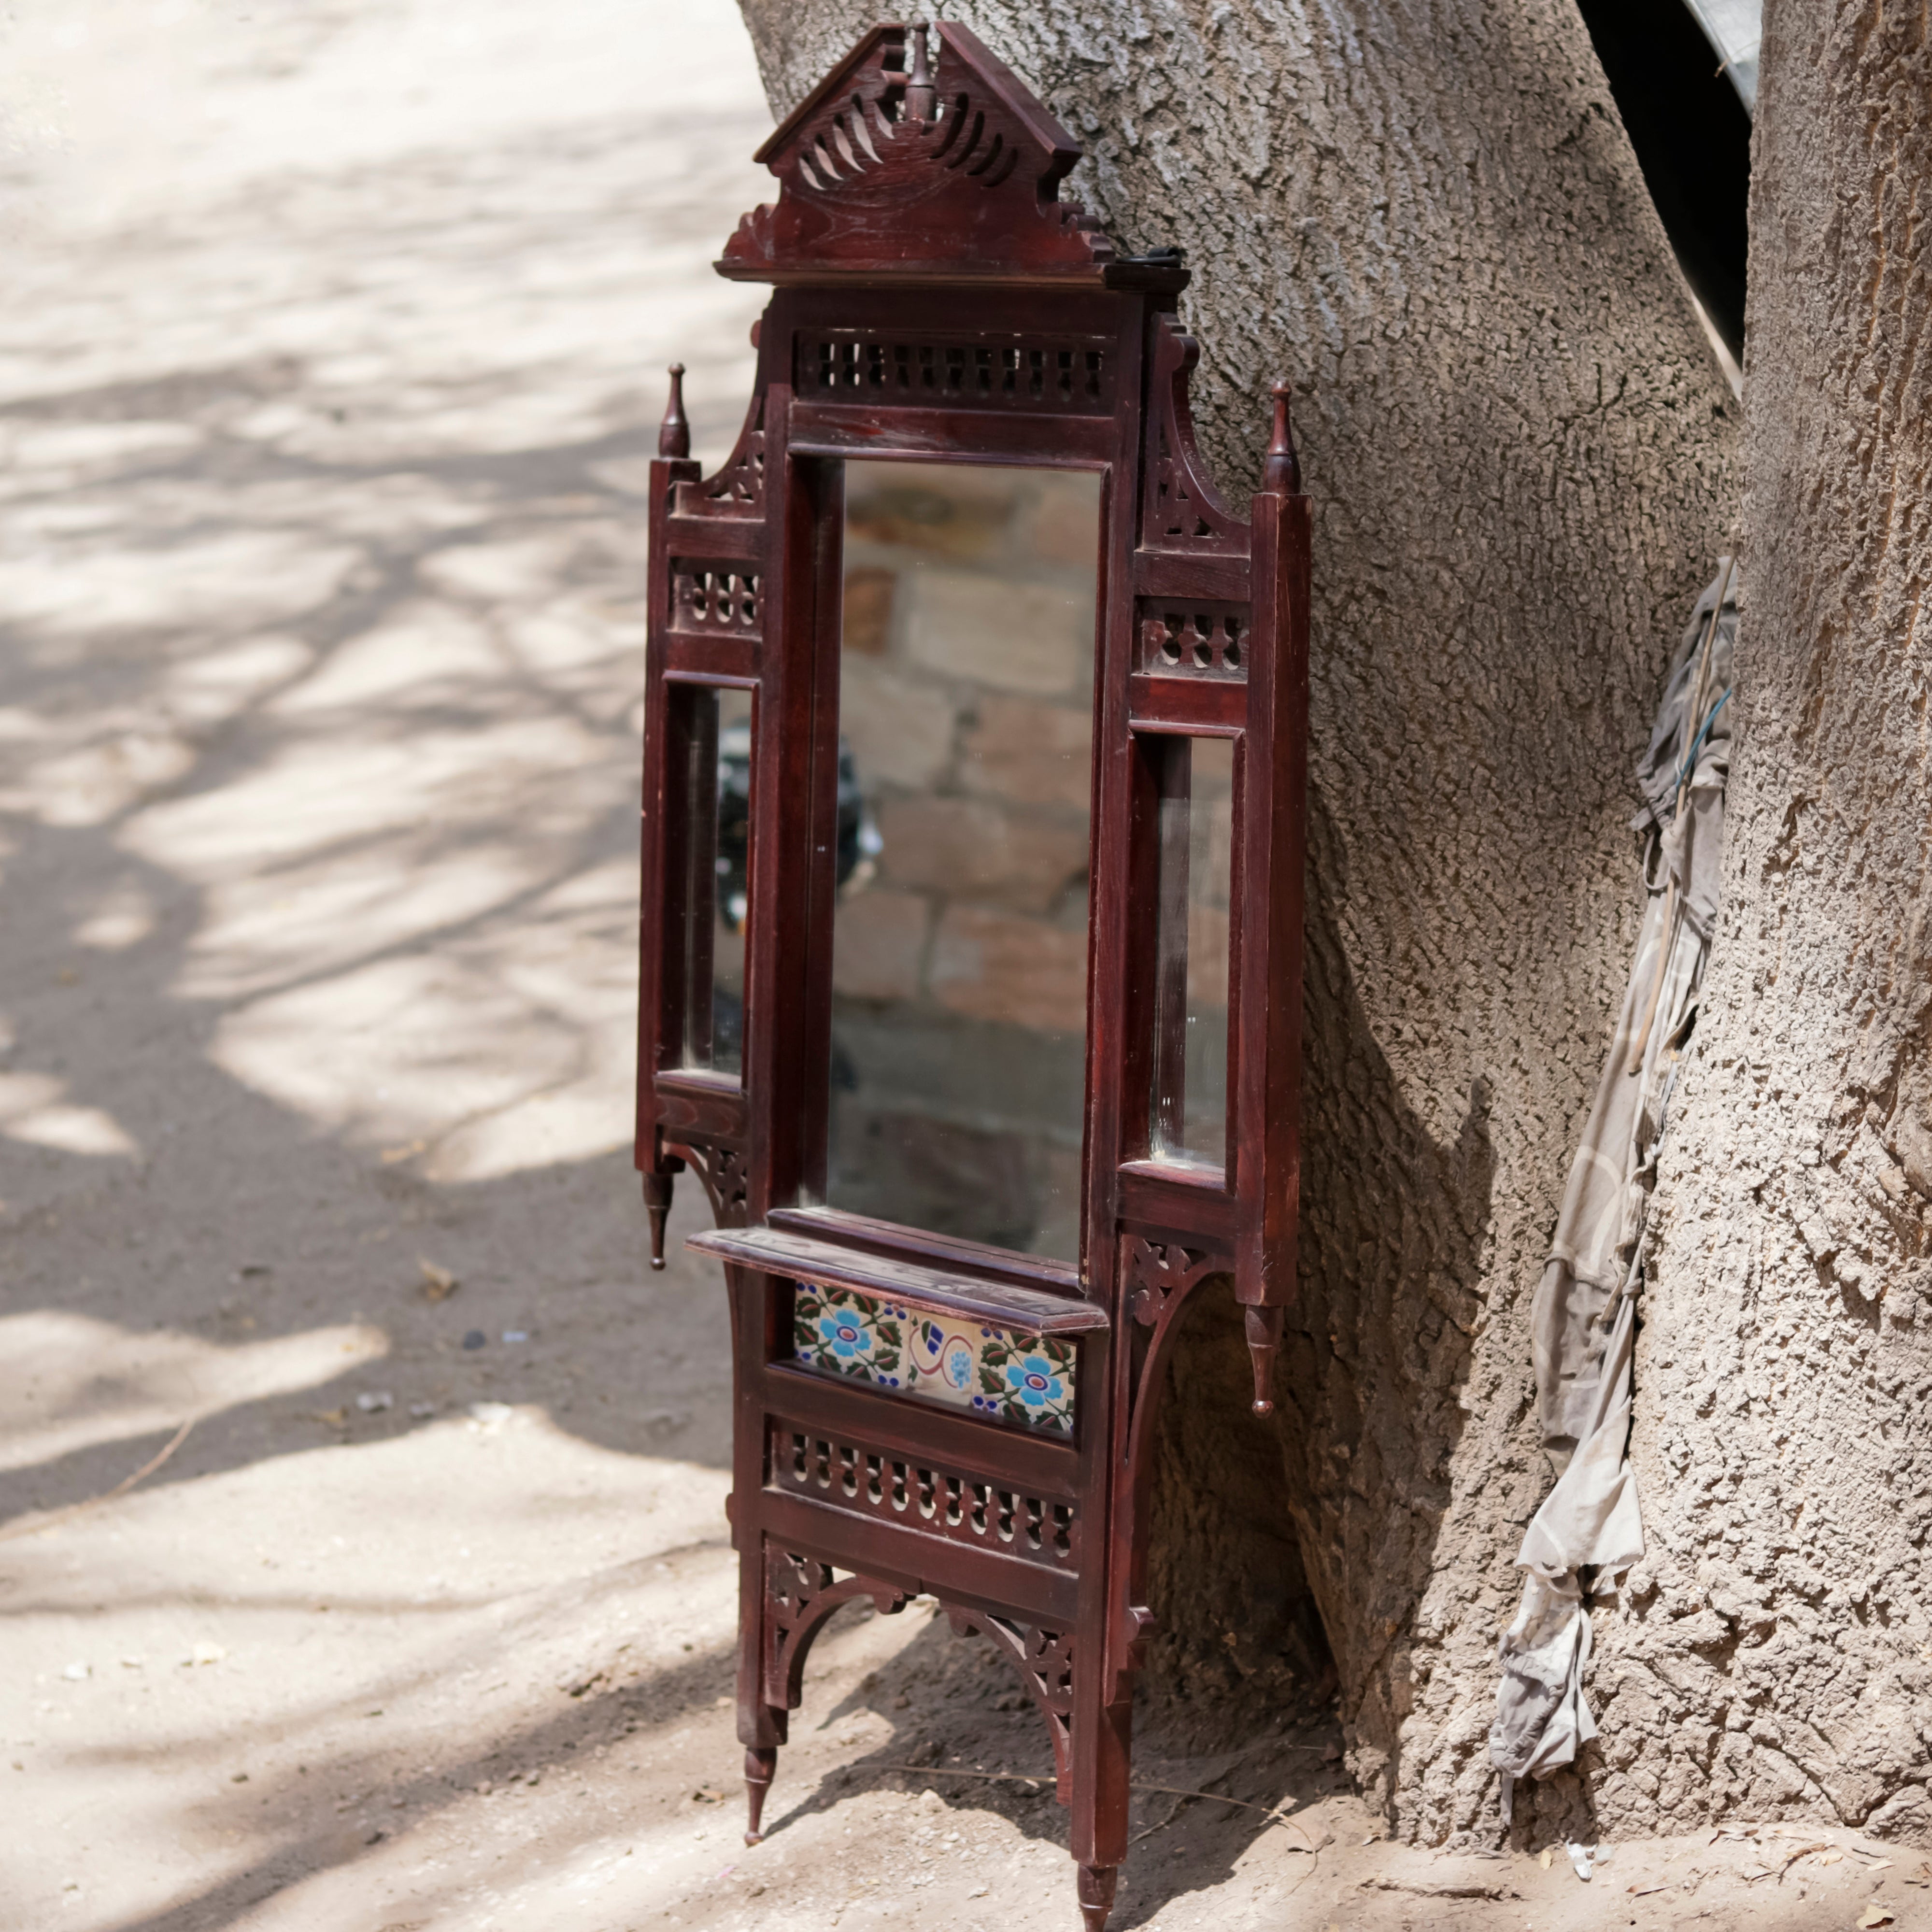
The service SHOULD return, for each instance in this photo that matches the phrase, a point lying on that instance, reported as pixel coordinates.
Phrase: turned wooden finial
(1096, 1887)
(759, 1767)
(674, 433)
(922, 97)
(657, 1205)
(1263, 1333)
(1282, 471)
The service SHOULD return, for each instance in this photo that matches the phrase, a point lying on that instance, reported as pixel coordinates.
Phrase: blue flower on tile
(844, 1336)
(1033, 1381)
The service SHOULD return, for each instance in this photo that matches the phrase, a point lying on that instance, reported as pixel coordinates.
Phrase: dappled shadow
(318, 721)
(594, 1718)
(970, 1733)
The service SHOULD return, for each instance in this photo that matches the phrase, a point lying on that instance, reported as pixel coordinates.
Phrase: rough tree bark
(1772, 1659)
(1523, 456)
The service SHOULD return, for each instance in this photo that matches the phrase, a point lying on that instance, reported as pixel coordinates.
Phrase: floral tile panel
(1013, 1378)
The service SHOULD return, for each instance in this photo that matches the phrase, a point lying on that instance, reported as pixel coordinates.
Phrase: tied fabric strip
(1583, 1319)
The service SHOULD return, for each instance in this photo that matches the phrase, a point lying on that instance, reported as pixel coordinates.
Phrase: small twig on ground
(941, 1771)
(1159, 1824)
(1803, 1851)
(119, 1490)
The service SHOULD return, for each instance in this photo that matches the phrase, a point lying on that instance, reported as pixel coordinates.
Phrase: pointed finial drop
(657, 1205)
(1264, 1326)
(760, 1767)
(1282, 471)
(674, 433)
(922, 97)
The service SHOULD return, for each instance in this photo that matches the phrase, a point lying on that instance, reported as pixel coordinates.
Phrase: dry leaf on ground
(439, 1284)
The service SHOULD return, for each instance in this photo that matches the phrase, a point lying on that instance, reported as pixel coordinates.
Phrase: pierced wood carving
(725, 1173)
(801, 1593)
(1026, 372)
(738, 488)
(710, 600)
(1182, 513)
(905, 157)
(1158, 1275)
(1044, 1659)
(1194, 639)
(1157, 1278)
(944, 1502)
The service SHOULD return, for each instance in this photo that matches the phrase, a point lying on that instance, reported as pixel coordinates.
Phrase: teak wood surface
(935, 299)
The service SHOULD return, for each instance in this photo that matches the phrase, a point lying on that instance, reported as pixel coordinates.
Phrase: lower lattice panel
(948, 1503)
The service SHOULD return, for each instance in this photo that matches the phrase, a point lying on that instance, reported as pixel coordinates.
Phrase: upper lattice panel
(905, 161)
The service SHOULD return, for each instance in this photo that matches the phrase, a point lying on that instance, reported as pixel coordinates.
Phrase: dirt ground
(329, 362)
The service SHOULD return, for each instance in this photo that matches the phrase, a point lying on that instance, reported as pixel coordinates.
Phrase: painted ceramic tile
(1024, 1378)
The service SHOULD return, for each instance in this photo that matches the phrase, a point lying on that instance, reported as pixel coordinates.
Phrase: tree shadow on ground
(963, 1727)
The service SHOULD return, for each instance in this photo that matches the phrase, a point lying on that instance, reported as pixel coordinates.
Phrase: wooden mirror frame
(935, 298)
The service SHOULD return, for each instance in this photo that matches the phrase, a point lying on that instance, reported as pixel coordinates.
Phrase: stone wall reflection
(966, 707)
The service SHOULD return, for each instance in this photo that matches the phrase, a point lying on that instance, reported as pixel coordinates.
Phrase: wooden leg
(762, 1726)
(759, 1767)
(1102, 1754)
(1097, 1894)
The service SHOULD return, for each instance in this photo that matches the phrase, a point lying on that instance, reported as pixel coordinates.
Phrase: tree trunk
(1772, 1658)
(1521, 452)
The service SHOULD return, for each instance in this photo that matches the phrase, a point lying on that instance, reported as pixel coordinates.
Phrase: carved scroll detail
(801, 1593)
(738, 490)
(1156, 1277)
(1044, 1659)
(726, 1172)
(1182, 512)
(1156, 1280)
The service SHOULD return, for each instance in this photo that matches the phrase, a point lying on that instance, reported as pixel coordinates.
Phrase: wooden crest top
(935, 164)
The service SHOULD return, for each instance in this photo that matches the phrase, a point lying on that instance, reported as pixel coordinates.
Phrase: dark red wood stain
(935, 297)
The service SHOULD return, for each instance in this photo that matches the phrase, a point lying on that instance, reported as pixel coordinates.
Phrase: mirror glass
(966, 701)
(1189, 1110)
(714, 728)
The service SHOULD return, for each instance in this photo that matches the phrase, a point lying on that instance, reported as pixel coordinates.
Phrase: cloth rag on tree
(1582, 1324)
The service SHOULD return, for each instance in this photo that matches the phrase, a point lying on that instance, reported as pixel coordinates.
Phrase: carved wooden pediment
(909, 160)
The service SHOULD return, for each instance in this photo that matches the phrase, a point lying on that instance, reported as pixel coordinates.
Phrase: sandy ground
(328, 365)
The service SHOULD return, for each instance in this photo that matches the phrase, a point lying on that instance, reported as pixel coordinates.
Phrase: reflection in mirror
(716, 734)
(1189, 1113)
(966, 698)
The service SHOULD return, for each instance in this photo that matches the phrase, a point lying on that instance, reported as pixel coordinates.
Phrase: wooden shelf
(934, 1290)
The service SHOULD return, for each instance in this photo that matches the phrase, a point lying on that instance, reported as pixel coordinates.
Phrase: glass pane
(1189, 1107)
(717, 818)
(966, 699)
